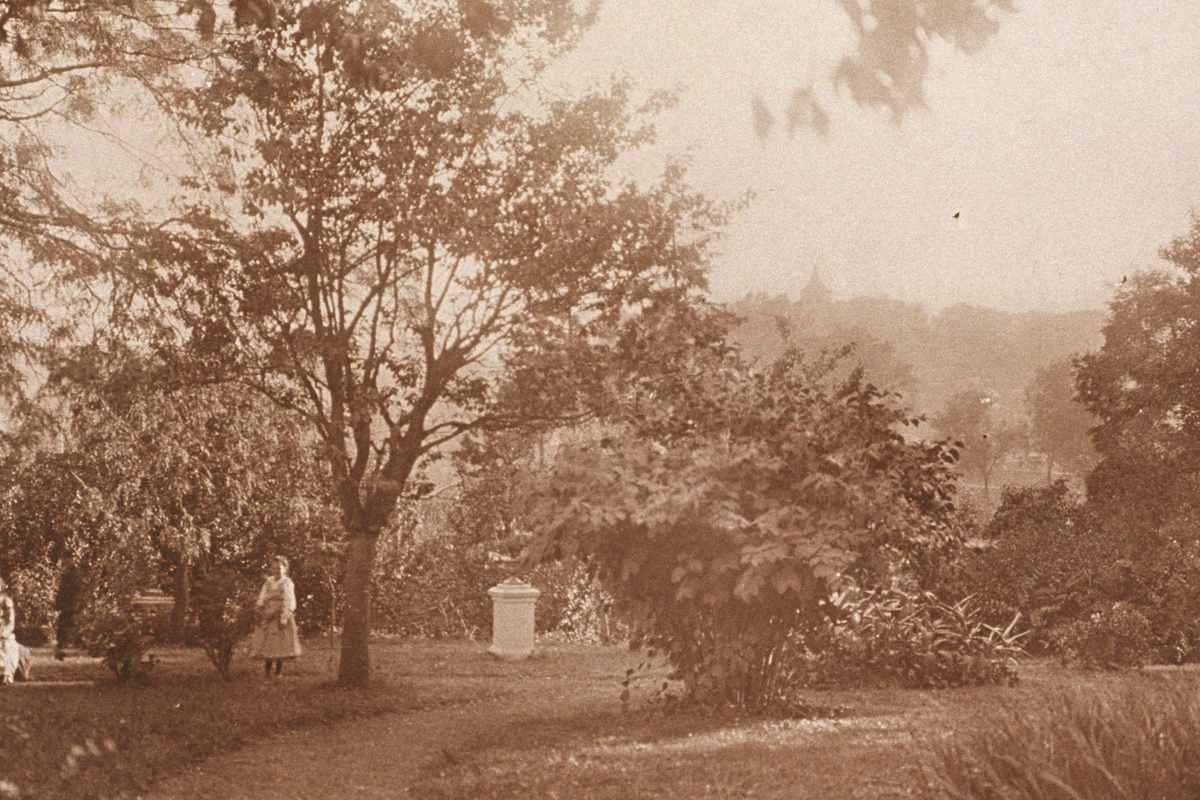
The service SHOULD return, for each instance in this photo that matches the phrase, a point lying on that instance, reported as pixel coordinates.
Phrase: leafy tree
(985, 441)
(194, 488)
(1140, 385)
(729, 504)
(409, 221)
(1059, 424)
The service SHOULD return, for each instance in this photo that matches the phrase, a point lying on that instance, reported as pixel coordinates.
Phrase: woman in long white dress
(276, 638)
(10, 651)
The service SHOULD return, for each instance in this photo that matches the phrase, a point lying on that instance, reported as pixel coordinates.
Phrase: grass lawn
(73, 733)
(859, 744)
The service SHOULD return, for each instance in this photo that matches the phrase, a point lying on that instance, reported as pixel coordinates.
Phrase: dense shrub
(1115, 637)
(435, 568)
(1096, 588)
(222, 614)
(1164, 585)
(1137, 742)
(123, 642)
(434, 587)
(910, 640)
(1037, 556)
(107, 626)
(33, 588)
(731, 502)
(573, 606)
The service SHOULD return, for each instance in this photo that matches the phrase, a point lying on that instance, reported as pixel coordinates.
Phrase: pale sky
(1070, 147)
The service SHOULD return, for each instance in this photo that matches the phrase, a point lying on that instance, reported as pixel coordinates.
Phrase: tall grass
(1140, 739)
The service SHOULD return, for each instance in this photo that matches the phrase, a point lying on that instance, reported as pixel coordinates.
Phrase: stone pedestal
(513, 602)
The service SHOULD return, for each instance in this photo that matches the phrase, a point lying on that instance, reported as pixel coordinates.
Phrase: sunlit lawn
(854, 744)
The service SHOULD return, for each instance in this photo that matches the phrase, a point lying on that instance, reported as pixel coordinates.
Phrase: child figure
(276, 638)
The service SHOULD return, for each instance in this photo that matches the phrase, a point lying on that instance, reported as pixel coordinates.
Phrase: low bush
(1116, 637)
(909, 640)
(435, 587)
(222, 614)
(111, 631)
(1137, 742)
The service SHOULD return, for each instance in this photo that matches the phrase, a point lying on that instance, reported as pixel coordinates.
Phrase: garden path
(377, 758)
(862, 755)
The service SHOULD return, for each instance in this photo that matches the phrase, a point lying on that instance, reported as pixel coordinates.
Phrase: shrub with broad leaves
(909, 640)
(726, 503)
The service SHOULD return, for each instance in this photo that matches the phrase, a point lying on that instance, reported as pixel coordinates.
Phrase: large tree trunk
(354, 668)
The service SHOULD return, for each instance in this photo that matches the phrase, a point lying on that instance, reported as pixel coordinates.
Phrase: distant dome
(816, 293)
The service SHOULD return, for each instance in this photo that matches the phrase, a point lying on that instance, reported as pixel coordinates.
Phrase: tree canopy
(1141, 388)
(1059, 424)
(407, 212)
(984, 439)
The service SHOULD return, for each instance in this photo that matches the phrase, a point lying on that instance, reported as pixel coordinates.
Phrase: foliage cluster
(984, 438)
(1136, 742)
(434, 587)
(909, 640)
(1058, 422)
(187, 491)
(33, 587)
(572, 607)
(432, 579)
(733, 501)
(1086, 587)
(1038, 558)
(1114, 637)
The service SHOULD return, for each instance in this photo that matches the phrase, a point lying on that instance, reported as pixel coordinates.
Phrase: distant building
(816, 293)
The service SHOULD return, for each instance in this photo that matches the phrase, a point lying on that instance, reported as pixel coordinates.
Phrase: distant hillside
(927, 357)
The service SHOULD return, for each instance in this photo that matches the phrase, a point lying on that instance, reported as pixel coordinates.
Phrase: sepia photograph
(599, 400)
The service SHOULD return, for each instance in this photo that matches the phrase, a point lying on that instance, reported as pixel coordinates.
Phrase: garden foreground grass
(74, 733)
(551, 726)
